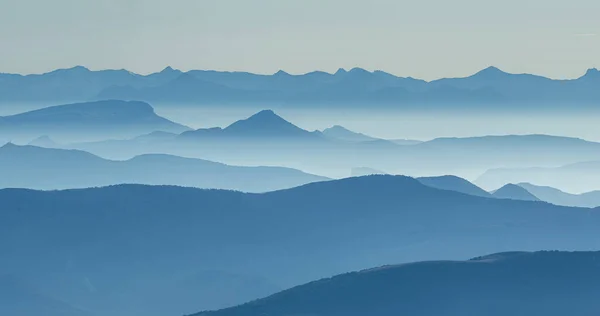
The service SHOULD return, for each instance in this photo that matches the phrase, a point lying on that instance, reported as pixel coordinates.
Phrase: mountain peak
(78, 68)
(75, 70)
(358, 70)
(592, 73)
(265, 123)
(490, 71)
(9, 145)
(514, 192)
(169, 69)
(281, 73)
(265, 114)
(341, 71)
(336, 128)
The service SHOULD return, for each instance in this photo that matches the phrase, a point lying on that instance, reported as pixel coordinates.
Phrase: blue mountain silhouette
(46, 168)
(514, 192)
(454, 183)
(17, 297)
(357, 86)
(341, 133)
(515, 283)
(558, 197)
(101, 119)
(577, 177)
(321, 229)
(264, 124)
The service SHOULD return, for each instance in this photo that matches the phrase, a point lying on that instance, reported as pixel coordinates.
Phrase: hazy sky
(420, 38)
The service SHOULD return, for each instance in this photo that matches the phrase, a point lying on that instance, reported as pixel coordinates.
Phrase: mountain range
(122, 130)
(514, 283)
(266, 138)
(558, 197)
(574, 178)
(84, 121)
(356, 86)
(49, 169)
(115, 250)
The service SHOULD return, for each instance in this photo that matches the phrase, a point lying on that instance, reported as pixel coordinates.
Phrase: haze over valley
(299, 158)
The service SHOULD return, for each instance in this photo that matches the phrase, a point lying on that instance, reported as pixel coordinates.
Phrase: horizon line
(283, 72)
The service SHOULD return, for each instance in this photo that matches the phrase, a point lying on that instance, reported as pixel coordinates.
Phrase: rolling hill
(133, 242)
(514, 192)
(574, 178)
(558, 197)
(454, 183)
(516, 283)
(46, 168)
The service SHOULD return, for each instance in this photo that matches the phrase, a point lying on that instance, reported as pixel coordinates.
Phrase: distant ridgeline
(354, 87)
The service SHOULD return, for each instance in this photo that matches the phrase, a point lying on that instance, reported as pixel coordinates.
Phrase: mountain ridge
(356, 86)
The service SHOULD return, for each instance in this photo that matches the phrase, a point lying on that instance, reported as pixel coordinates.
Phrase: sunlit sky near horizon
(422, 39)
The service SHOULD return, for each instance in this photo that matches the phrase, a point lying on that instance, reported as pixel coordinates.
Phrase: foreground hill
(133, 244)
(47, 168)
(516, 283)
(92, 120)
(17, 298)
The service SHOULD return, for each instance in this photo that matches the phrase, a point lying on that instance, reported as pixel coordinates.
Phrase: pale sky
(425, 39)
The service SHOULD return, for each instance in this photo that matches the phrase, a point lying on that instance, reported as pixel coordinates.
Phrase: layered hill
(120, 237)
(515, 283)
(85, 121)
(47, 168)
(558, 197)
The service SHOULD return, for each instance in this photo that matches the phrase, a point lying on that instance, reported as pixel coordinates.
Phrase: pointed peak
(9, 145)
(265, 123)
(169, 69)
(514, 192)
(265, 114)
(281, 73)
(491, 70)
(341, 71)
